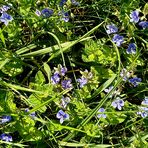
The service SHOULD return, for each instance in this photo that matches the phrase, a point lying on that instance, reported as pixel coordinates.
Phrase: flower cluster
(5, 17)
(6, 137)
(134, 17)
(135, 81)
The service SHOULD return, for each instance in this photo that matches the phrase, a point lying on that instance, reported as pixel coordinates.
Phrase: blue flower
(47, 12)
(55, 78)
(143, 24)
(33, 115)
(111, 29)
(65, 17)
(145, 102)
(62, 2)
(134, 16)
(66, 84)
(4, 8)
(107, 90)
(101, 110)
(131, 49)
(135, 81)
(5, 119)
(6, 18)
(65, 101)
(74, 2)
(62, 116)
(82, 81)
(143, 112)
(118, 103)
(118, 40)
(38, 12)
(61, 70)
(6, 137)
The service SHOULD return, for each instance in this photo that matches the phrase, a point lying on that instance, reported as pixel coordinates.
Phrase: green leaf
(7, 105)
(145, 9)
(36, 101)
(39, 78)
(48, 71)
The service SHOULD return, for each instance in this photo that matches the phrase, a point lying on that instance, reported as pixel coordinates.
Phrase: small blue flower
(65, 17)
(143, 24)
(5, 119)
(118, 40)
(65, 101)
(62, 2)
(4, 8)
(107, 90)
(111, 29)
(134, 16)
(55, 79)
(62, 116)
(47, 12)
(6, 137)
(143, 112)
(82, 81)
(118, 103)
(101, 110)
(60, 70)
(74, 2)
(135, 81)
(38, 12)
(6, 18)
(145, 102)
(33, 115)
(131, 49)
(66, 84)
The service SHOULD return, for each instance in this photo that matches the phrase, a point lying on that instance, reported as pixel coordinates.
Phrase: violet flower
(66, 84)
(5, 119)
(65, 101)
(82, 81)
(100, 111)
(111, 29)
(131, 49)
(118, 40)
(55, 79)
(47, 12)
(118, 103)
(135, 81)
(143, 24)
(6, 18)
(6, 137)
(134, 16)
(62, 116)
